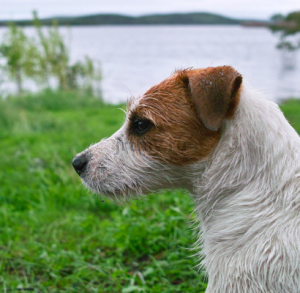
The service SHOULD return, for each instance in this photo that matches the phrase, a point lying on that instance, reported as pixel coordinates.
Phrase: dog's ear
(214, 91)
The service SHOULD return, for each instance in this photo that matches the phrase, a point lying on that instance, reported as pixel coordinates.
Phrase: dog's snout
(79, 163)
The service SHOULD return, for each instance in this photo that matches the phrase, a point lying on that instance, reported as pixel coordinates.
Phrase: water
(133, 58)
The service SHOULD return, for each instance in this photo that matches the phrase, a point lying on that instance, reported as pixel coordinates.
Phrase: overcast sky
(255, 9)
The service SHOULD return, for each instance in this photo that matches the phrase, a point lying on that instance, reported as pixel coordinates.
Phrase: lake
(133, 58)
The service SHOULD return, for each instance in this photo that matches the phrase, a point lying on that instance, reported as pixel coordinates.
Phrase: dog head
(173, 126)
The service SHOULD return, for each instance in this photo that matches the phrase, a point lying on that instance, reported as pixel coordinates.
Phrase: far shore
(200, 18)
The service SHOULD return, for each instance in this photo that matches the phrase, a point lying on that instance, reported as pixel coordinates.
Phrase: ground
(55, 236)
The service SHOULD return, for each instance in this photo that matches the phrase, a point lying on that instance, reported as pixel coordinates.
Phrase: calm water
(134, 58)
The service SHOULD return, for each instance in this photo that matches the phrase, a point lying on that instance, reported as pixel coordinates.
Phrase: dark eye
(141, 126)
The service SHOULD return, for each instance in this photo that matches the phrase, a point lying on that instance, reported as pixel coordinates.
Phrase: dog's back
(252, 230)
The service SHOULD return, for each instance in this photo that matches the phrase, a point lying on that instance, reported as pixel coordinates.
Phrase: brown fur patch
(215, 94)
(179, 136)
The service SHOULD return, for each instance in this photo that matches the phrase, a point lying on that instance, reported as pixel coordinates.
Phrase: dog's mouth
(112, 189)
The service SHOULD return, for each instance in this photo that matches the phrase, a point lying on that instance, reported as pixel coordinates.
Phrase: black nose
(79, 163)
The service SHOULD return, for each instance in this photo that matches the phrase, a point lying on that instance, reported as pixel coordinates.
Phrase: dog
(204, 130)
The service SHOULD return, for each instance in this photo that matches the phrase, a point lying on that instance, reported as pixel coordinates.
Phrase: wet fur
(245, 182)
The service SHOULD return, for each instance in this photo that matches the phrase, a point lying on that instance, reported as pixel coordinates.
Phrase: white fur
(247, 196)
(248, 202)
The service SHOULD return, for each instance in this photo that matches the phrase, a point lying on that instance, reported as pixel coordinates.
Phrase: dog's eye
(141, 126)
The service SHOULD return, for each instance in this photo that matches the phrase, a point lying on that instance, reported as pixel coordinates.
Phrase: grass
(55, 236)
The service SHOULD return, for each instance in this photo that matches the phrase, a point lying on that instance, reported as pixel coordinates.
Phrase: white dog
(205, 131)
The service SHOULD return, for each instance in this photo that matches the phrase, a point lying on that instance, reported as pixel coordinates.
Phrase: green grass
(55, 236)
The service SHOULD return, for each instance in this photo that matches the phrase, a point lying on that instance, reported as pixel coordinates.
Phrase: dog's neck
(250, 169)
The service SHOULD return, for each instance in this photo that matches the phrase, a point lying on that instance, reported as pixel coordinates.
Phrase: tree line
(45, 58)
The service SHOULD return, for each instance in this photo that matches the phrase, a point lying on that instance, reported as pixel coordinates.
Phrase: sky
(251, 9)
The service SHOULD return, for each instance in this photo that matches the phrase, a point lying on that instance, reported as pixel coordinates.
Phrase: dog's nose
(79, 163)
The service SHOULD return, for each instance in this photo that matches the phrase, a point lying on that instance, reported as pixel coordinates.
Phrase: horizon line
(132, 15)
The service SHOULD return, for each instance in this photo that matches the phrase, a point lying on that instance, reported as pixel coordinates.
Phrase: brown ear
(214, 92)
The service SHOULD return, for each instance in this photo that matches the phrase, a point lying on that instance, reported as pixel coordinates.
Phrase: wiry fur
(120, 171)
(248, 202)
(246, 192)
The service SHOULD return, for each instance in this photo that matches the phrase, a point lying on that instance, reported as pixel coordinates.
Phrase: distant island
(201, 18)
